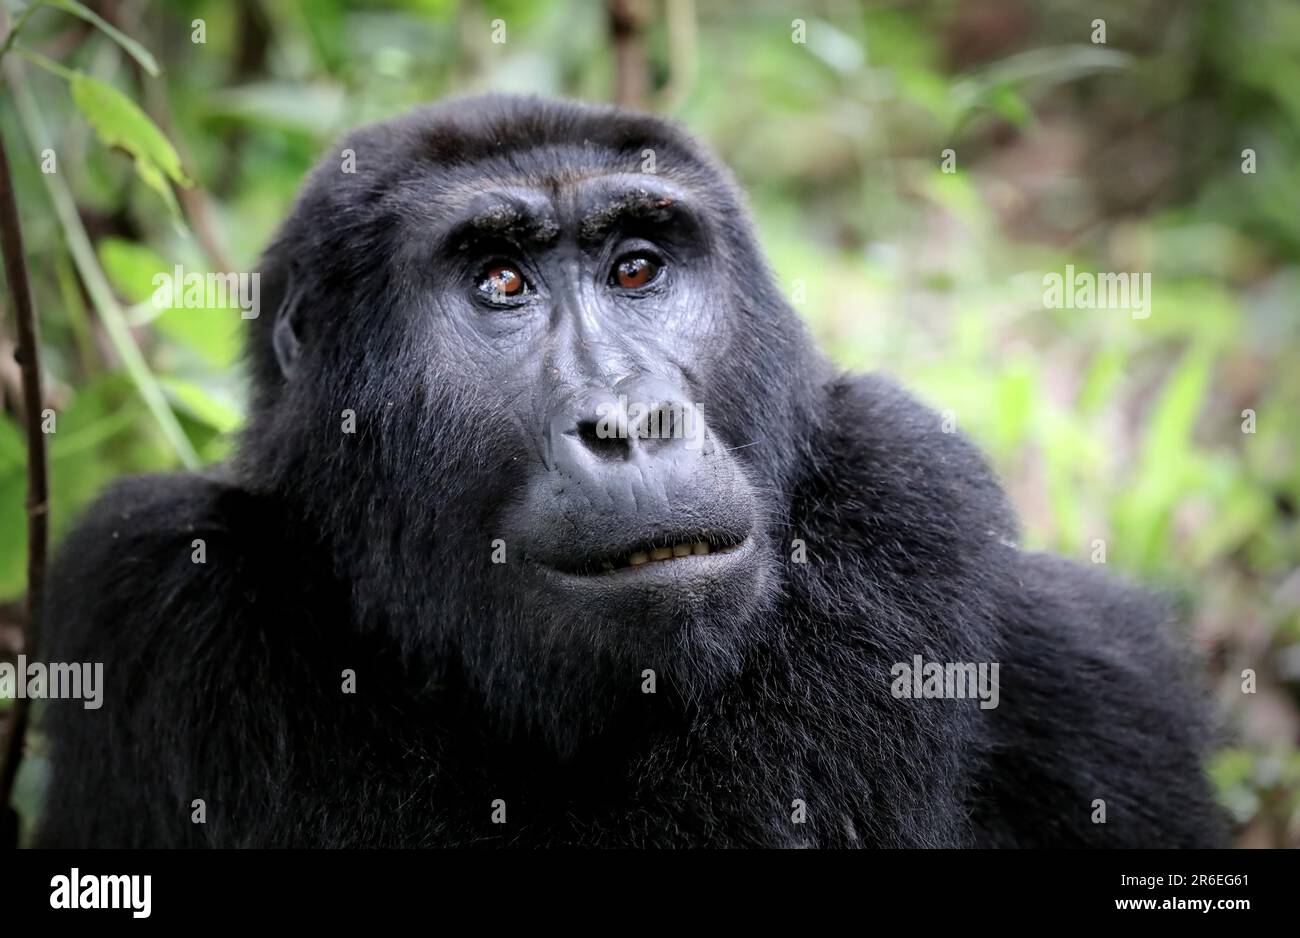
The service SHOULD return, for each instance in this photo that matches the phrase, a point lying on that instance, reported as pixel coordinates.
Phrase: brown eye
(502, 280)
(635, 271)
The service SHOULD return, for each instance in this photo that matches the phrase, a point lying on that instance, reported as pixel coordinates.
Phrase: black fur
(371, 551)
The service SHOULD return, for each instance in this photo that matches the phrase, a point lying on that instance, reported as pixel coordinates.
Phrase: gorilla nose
(593, 433)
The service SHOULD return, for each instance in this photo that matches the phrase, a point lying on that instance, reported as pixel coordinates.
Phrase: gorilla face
(590, 303)
(552, 359)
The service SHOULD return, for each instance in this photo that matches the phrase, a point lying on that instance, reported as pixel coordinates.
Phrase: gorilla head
(526, 374)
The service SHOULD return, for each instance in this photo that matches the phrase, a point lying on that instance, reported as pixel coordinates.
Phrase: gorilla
(550, 526)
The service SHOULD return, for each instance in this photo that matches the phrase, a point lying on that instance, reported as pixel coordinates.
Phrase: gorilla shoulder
(151, 546)
(889, 462)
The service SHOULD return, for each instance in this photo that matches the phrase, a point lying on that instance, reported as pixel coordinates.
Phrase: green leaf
(131, 267)
(1172, 420)
(1008, 103)
(119, 122)
(214, 334)
(133, 48)
(202, 405)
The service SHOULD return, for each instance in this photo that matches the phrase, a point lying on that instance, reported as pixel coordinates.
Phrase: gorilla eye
(635, 270)
(502, 280)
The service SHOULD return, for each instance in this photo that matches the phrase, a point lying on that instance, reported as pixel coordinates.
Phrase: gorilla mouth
(653, 553)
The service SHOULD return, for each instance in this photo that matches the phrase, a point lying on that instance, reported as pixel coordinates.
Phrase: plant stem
(29, 361)
(18, 25)
(51, 66)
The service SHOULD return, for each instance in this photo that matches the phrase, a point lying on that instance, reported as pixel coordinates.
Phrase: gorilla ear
(284, 335)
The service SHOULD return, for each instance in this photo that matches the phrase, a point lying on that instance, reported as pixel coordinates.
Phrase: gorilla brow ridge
(505, 221)
(633, 205)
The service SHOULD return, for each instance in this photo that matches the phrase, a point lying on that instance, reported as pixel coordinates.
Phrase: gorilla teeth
(652, 553)
(660, 554)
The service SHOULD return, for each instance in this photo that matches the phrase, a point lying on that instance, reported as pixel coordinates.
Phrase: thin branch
(627, 22)
(38, 494)
(51, 66)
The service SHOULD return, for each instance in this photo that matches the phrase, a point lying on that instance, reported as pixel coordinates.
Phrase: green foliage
(120, 123)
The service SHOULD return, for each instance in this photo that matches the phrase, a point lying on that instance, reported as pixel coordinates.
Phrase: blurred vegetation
(1122, 156)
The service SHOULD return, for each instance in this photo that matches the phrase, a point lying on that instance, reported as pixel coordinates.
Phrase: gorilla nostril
(667, 424)
(600, 442)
